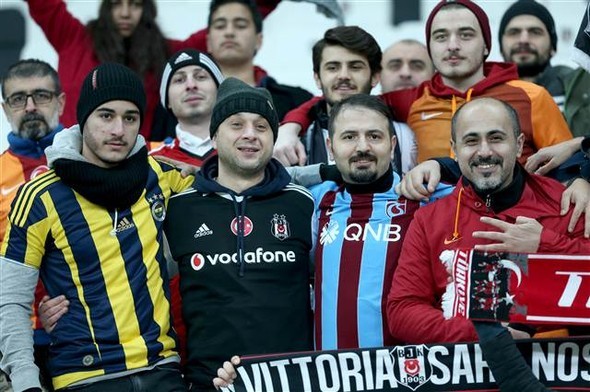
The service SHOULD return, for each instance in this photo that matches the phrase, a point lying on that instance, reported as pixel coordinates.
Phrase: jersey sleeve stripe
(24, 201)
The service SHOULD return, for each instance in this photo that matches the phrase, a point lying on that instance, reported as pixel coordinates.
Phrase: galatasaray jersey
(15, 170)
(109, 264)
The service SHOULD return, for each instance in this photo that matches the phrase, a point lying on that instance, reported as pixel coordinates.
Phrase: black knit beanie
(235, 96)
(529, 7)
(182, 59)
(109, 82)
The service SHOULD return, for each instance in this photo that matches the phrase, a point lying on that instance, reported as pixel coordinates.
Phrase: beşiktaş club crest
(279, 227)
(413, 368)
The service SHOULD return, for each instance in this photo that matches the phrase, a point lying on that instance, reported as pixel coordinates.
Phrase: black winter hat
(235, 96)
(182, 59)
(529, 7)
(109, 82)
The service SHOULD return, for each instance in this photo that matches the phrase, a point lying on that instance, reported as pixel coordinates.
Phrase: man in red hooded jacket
(458, 38)
(496, 206)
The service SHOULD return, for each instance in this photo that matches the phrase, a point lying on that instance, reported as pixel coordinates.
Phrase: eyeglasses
(40, 97)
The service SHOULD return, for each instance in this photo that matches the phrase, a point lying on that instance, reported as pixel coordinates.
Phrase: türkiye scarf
(558, 364)
(520, 288)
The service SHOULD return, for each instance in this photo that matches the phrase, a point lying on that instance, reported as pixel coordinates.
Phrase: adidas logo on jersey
(124, 224)
(202, 231)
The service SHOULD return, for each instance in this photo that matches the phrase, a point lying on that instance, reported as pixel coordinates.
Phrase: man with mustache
(458, 38)
(360, 224)
(496, 206)
(33, 102)
(346, 61)
(528, 38)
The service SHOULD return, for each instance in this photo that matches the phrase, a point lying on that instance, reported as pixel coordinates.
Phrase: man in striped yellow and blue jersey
(91, 228)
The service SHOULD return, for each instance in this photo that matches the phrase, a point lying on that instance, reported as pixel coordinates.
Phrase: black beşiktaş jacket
(244, 264)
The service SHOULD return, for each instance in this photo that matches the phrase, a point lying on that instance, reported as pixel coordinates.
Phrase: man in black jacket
(243, 253)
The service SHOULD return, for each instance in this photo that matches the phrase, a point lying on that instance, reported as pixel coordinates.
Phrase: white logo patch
(203, 231)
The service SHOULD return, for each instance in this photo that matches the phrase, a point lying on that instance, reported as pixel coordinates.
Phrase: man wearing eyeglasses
(33, 102)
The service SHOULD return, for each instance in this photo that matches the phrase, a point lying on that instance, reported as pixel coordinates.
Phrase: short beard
(363, 176)
(531, 70)
(27, 130)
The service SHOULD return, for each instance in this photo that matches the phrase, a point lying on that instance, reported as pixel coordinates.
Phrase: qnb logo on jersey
(329, 232)
(258, 256)
(248, 226)
(395, 208)
(361, 232)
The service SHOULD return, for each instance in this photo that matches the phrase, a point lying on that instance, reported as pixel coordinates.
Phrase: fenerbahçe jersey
(109, 264)
(357, 241)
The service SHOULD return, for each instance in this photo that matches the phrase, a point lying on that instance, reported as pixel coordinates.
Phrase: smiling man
(346, 61)
(496, 206)
(243, 256)
(91, 229)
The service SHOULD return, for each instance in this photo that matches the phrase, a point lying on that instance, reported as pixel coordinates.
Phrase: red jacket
(414, 308)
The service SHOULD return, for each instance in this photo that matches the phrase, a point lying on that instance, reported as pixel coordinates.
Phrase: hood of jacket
(275, 179)
(495, 74)
(67, 144)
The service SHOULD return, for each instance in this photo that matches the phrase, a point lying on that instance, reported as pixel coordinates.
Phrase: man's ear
(258, 43)
(318, 81)
(520, 145)
(330, 151)
(61, 103)
(375, 79)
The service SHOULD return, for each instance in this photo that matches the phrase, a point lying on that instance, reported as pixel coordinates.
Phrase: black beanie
(529, 7)
(182, 59)
(109, 82)
(235, 96)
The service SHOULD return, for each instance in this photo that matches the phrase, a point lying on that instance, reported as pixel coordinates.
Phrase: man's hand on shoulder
(288, 148)
(413, 187)
(549, 158)
(578, 194)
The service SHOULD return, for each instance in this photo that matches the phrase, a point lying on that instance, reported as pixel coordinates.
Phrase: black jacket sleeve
(505, 361)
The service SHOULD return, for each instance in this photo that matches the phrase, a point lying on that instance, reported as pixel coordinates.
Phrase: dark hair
(251, 5)
(31, 68)
(512, 115)
(146, 49)
(352, 38)
(366, 101)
